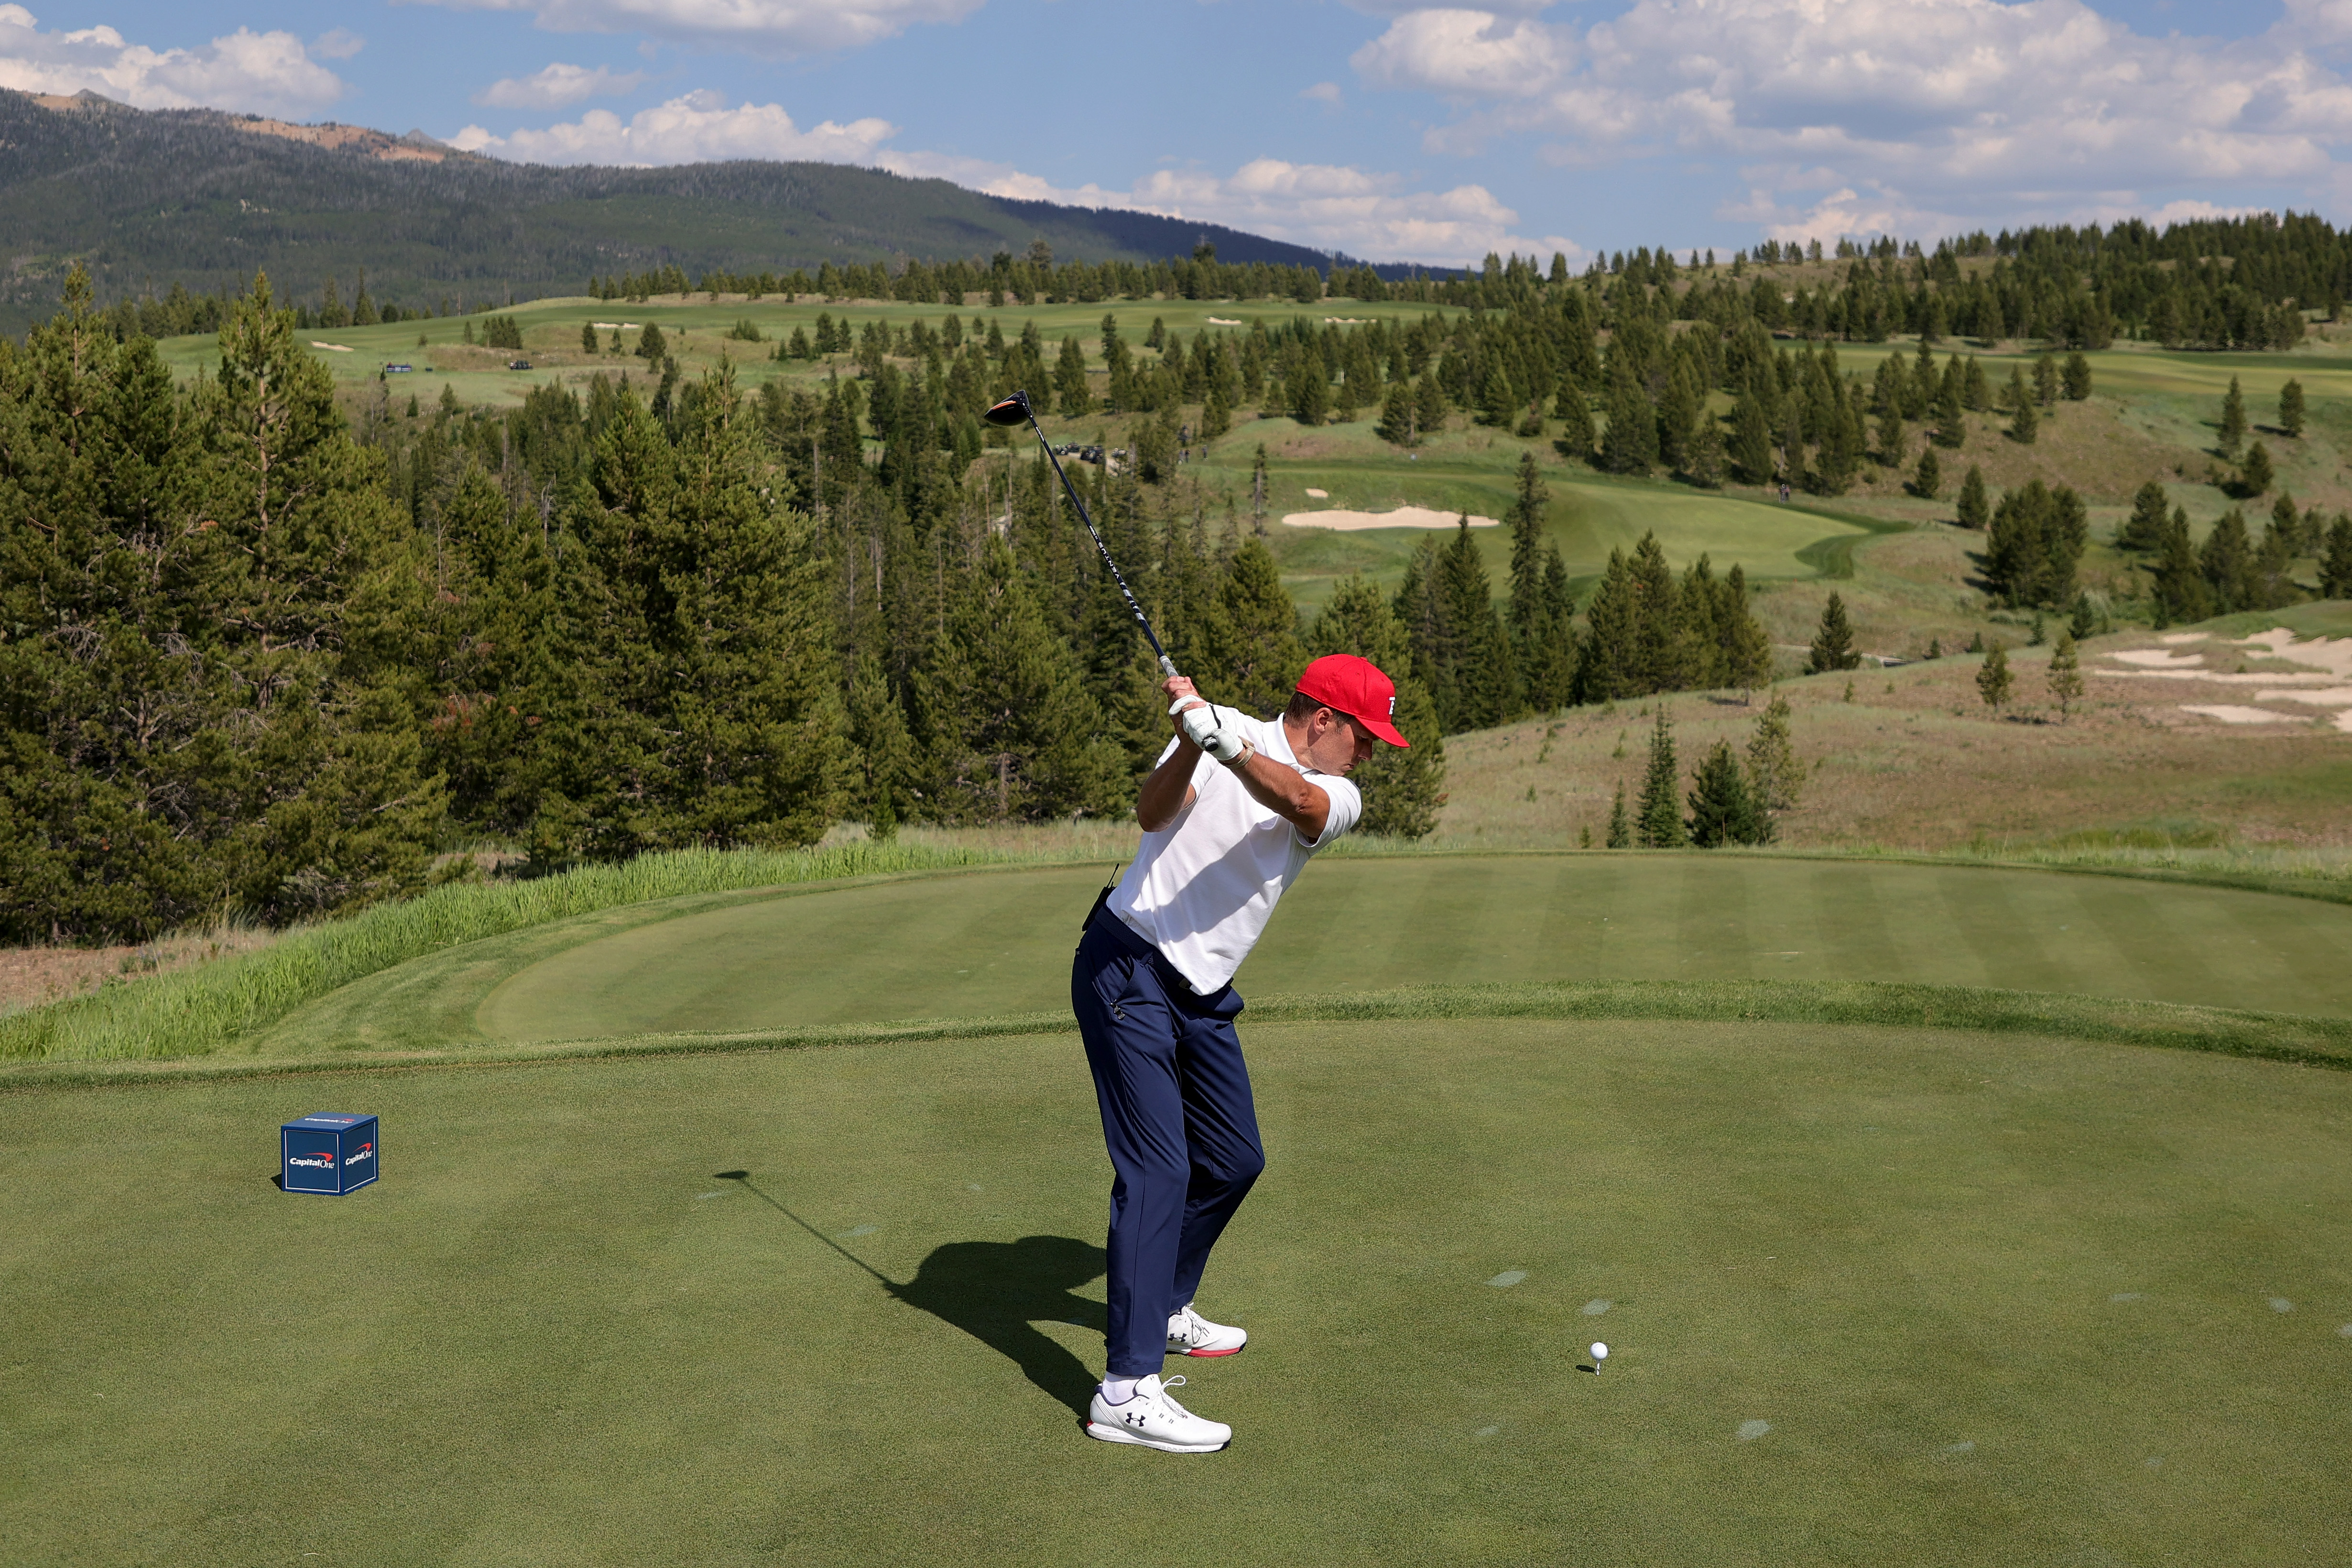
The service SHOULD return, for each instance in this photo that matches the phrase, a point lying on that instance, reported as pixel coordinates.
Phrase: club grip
(1167, 666)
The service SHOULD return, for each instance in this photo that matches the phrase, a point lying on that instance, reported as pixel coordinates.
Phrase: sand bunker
(331, 348)
(1403, 516)
(613, 326)
(2332, 655)
(2328, 662)
(1222, 321)
(2230, 713)
(1318, 495)
(2161, 658)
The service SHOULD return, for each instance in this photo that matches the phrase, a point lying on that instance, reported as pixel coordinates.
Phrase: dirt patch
(33, 976)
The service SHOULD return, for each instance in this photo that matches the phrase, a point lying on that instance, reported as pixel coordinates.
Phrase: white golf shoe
(1153, 1419)
(1189, 1333)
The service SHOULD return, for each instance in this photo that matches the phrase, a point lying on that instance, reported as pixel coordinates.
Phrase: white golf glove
(1215, 729)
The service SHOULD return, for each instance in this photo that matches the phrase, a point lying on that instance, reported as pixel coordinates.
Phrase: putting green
(1883, 1297)
(1000, 941)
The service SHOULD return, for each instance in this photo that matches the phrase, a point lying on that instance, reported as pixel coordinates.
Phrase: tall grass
(203, 1010)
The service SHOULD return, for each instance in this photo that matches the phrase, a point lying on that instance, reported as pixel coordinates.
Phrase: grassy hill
(208, 199)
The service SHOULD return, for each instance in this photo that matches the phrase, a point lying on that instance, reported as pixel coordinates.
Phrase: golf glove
(1216, 730)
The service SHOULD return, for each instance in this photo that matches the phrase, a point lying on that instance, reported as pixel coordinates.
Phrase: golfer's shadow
(997, 1291)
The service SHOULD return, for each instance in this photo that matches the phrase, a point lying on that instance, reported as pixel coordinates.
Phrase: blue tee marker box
(327, 1153)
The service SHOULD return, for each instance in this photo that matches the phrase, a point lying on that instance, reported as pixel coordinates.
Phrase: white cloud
(558, 85)
(1913, 112)
(697, 128)
(762, 27)
(337, 44)
(270, 73)
(1327, 206)
(1465, 54)
(1323, 92)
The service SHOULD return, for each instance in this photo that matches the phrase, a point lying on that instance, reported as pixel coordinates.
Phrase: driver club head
(1014, 410)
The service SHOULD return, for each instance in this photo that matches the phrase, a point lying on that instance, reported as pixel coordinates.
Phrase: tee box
(327, 1153)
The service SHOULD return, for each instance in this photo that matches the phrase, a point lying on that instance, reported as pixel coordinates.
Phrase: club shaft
(1167, 665)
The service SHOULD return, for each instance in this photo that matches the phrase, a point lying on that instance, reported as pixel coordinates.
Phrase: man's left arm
(1285, 791)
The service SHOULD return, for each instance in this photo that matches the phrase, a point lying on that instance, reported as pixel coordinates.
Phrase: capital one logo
(316, 1162)
(366, 1152)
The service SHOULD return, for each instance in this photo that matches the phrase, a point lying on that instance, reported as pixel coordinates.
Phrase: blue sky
(1390, 131)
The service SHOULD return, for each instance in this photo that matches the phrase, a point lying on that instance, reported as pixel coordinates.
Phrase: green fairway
(1872, 1298)
(999, 942)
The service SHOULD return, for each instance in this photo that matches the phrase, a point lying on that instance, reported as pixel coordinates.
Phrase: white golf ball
(1600, 1351)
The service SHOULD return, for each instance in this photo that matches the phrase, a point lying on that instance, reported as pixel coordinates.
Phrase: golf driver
(1013, 410)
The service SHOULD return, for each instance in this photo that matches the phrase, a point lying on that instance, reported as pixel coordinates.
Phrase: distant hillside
(207, 199)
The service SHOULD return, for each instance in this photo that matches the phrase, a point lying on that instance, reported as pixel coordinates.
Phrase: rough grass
(1917, 762)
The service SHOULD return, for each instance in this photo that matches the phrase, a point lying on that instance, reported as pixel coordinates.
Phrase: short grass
(1917, 1296)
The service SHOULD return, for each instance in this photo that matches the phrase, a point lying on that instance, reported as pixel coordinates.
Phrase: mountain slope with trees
(208, 199)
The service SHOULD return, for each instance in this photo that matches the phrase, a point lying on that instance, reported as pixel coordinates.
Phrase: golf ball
(1600, 1351)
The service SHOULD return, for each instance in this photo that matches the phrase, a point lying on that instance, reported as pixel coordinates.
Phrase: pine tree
(1250, 656)
(1403, 789)
(2045, 379)
(1974, 511)
(587, 337)
(1723, 811)
(1974, 395)
(1832, 645)
(1397, 425)
(1993, 679)
(2179, 588)
(1951, 419)
(1704, 461)
(2065, 674)
(652, 346)
(1658, 822)
(1526, 519)
(2335, 567)
(1747, 645)
(885, 754)
(1751, 440)
(2144, 529)
(2254, 475)
(1621, 824)
(2233, 420)
(1429, 407)
(2291, 414)
(1482, 679)
(2077, 378)
(1071, 397)
(1009, 728)
(1775, 776)
(1928, 483)
(1630, 445)
(2024, 423)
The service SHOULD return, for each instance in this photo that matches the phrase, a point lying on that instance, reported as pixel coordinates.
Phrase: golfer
(1231, 816)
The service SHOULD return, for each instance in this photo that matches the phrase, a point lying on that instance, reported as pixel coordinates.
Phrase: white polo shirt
(1201, 889)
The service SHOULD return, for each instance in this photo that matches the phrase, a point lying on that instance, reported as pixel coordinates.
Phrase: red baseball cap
(1357, 687)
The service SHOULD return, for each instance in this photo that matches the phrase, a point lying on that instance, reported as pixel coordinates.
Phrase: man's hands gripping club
(1203, 727)
(1205, 724)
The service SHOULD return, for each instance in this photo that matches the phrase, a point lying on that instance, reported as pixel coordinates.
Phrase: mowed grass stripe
(987, 945)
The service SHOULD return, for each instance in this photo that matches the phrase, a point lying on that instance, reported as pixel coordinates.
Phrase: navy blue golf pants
(1178, 1120)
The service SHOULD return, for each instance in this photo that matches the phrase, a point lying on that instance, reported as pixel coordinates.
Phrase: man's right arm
(1169, 790)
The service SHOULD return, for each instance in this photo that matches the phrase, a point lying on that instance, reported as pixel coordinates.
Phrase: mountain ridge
(145, 198)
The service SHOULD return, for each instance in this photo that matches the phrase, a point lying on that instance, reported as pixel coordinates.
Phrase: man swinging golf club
(1230, 815)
